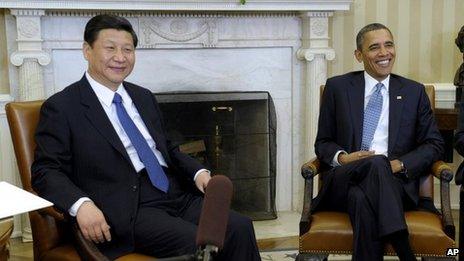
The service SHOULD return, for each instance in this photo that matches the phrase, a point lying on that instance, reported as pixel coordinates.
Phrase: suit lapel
(98, 118)
(144, 105)
(356, 100)
(396, 107)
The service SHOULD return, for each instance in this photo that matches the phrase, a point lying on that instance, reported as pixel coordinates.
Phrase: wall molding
(177, 5)
(445, 95)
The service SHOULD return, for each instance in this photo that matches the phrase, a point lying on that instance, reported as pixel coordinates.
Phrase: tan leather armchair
(56, 236)
(325, 232)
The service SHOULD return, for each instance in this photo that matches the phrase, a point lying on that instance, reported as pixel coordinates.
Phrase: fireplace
(233, 134)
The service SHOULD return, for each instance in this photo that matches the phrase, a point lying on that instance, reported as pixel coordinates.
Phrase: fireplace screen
(233, 134)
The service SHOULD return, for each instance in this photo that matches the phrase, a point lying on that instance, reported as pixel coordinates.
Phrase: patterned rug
(279, 255)
(290, 255)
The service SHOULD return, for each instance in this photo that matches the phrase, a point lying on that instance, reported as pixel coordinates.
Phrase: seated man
(376, 137)
(102, 156)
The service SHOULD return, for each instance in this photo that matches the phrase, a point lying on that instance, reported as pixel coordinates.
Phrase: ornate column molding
(315, 51)
(18, 58)
(29, 57)
(310, 54)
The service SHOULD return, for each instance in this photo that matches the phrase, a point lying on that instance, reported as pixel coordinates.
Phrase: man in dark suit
(103, 157)
(376, 137)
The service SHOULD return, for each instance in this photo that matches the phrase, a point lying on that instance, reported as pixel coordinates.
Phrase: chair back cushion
(23, 118)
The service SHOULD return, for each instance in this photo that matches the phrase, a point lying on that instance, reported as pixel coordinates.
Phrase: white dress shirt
(380, 141)
(105, 97)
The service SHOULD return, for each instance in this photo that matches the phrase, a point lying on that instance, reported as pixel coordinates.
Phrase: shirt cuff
(200, 171)
(335, 162)
(75, 207)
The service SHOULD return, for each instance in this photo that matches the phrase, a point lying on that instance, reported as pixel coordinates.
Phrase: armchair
(328, 232)
(325, 232)
(56, 237)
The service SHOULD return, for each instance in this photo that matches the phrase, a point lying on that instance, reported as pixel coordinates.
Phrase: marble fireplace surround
(276, 46)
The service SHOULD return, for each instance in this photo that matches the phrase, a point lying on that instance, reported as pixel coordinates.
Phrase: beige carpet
(282, 255)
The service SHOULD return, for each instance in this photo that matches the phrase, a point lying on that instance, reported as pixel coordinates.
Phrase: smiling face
(111, 57)
(377, 53)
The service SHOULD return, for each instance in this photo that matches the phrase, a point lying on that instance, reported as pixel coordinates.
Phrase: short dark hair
(366, 29)
(460, 40)
(107, 21)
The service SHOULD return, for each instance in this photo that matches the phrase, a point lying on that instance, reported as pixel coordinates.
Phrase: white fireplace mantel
(182, 5)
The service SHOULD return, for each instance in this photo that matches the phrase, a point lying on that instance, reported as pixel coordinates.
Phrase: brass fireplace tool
(217, 139)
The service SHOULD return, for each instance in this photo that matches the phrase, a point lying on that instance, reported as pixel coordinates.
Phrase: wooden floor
(23, 251)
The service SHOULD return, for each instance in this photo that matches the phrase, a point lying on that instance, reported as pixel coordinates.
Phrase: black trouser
(167, 226)
(374, 199)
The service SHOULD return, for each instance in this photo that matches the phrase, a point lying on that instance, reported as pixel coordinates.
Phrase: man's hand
(354, 156)
(202, 180)
(396, 166)
(92, 223)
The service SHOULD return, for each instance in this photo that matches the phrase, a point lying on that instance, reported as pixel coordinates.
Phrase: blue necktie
(371, 117)
(155, 172)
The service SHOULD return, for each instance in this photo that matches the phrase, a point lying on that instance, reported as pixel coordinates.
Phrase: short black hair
(366, 29)
(107, 21)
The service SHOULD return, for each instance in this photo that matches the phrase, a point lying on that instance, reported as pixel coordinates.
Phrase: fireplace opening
(233, 134)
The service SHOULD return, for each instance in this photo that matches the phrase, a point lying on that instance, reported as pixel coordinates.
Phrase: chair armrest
(447, 218)
(442, 171)
(48, 211)
(86, 249)
(459, 174)
(309, 170)
(51, 211)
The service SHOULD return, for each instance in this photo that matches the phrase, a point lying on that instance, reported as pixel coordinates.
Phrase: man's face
(377, 53)
(111, 58)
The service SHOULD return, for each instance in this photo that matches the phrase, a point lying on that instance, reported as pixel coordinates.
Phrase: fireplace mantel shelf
(181, 5)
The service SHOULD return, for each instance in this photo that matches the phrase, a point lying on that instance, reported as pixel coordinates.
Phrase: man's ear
(358, 55)
(86, 49)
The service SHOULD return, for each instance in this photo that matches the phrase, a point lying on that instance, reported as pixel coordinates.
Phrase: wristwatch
(403, 172)
(402, 166)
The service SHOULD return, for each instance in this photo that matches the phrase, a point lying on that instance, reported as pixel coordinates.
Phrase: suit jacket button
(134, 188)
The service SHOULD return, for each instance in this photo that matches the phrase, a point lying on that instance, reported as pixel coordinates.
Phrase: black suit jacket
(79, 154)
(413, 136)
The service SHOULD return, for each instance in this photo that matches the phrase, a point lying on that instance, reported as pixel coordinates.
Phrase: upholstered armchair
(56, 236)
